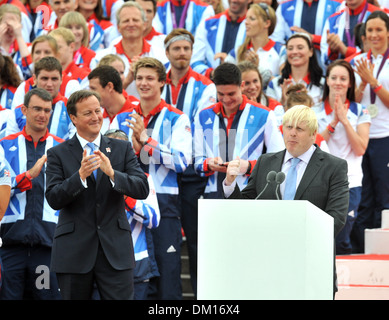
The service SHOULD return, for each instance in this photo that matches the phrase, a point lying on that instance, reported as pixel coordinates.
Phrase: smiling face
(89, 118)
(78, 32)
(60, 7)
(252, 84)
(377, 35)
(37, 114)
(338, 81)
(254, 23)
(87, 5)
(147, 83)
(130, 24)
(298, 52)
(230, 95)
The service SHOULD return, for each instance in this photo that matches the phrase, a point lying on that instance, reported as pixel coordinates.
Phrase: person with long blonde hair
(257, 47)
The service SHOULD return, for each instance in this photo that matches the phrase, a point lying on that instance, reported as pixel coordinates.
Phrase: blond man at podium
(300, 172)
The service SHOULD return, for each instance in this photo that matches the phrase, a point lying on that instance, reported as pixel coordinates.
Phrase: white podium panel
(264, 249)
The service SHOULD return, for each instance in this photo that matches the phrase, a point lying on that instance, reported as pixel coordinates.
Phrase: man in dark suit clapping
(92, 241)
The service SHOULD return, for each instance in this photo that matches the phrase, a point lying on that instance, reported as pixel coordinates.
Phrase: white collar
(84, 142)
(304, 157)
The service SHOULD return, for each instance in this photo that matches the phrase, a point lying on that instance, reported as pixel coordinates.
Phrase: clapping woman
(345, 124)
(372, 69)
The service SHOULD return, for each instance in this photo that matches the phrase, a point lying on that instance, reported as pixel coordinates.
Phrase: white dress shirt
(84, 145)
(302, 165)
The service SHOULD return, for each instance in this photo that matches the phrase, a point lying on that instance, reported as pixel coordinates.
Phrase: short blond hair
(298, 114)
(9, 8)
(130, 4)
(109, 58)
(65, 33)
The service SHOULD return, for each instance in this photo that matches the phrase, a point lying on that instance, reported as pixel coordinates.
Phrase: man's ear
(24, 109)
(109, 86)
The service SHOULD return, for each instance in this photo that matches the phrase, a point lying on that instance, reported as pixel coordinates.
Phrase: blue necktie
(91, 145)
(291, 179)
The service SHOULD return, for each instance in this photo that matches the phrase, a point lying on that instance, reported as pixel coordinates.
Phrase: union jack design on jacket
(167, 153)
(143, 215)
(338, 23)
(290, 13)
(194, 93)
(7, 93)
(197, 12)
(60, 124)
(209, 41)
(33, 223)
(245, 135)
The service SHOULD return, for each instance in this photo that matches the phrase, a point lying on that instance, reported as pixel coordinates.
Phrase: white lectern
(264, 249)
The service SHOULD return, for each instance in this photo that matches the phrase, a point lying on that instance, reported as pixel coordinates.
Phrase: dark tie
(91, 145)
(291, 179)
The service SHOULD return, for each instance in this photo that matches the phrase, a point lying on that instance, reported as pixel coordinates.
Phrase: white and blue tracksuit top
(253, 129)
(197, 12)
(209, 41)
(60, 124)
(29, 219)
(168, 154)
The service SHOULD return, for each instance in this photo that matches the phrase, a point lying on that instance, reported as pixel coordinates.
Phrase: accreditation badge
(373, 110)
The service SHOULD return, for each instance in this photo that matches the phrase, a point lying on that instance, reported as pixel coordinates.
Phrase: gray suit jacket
(324, 183)
(92, 216)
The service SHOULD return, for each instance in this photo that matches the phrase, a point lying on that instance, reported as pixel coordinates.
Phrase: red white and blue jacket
(29, 219)
(290, 13)
(193, 93)
(167, 153)
(338, 23)
(143, 215)
(78, 73)
(83, 57)
(119, 120)
(245, 134)
(270, 56)
(7, 94)
(110, 31)
(60, 124)
(110, 7)
(209, 41)
(197, 11)
(4, 116)
(39, 18)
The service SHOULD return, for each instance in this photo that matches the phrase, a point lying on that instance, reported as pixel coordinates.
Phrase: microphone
(280, 177)
(271, 176)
